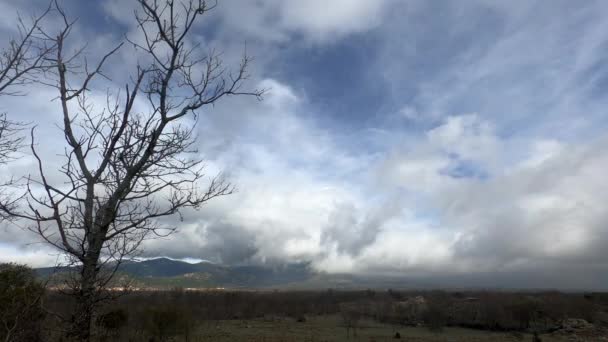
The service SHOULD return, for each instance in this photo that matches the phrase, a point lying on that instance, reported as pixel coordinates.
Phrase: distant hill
(166, 273)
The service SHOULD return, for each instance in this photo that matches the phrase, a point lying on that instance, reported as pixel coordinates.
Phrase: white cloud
(467, 136)
(322, 19)
(29, 255)
(317, 21)
(277, 20)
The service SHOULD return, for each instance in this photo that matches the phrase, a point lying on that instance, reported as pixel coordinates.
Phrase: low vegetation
(328, 315)
(21, 313)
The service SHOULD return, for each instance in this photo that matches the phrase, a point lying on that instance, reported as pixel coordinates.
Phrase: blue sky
(414, 138)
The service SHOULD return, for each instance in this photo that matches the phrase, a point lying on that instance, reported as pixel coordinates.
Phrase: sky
(458, 141)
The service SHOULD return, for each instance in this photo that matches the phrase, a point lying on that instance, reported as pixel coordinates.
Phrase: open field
(329, 315)
(330, 328)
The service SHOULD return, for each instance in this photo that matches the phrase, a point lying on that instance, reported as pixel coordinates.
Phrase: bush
(435, 317)
(112, 322)
(524, 312)
(21, 313)
(169, 321)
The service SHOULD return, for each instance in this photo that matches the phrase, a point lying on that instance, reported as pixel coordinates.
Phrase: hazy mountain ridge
(169, 273)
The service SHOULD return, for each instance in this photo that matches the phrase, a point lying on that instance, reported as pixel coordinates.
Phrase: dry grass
(271, 316)
(328, 328)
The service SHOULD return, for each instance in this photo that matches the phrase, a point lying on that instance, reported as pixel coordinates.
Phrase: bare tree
(125, 166)
(22, 59)
(351, 315)
(25, 55)
(10, 140)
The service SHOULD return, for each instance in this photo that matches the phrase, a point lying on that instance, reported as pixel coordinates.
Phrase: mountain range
(165, 273)
(169, 273)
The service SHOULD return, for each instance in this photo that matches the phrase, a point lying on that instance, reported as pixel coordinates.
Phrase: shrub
(435, 316)
(21, 313)
(169, 321)
(112, 322)
(524, 312)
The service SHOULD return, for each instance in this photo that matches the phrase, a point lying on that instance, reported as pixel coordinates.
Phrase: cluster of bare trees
(126, 163)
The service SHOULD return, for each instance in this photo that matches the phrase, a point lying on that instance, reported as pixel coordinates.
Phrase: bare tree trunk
(86, 300)
(80, 329)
